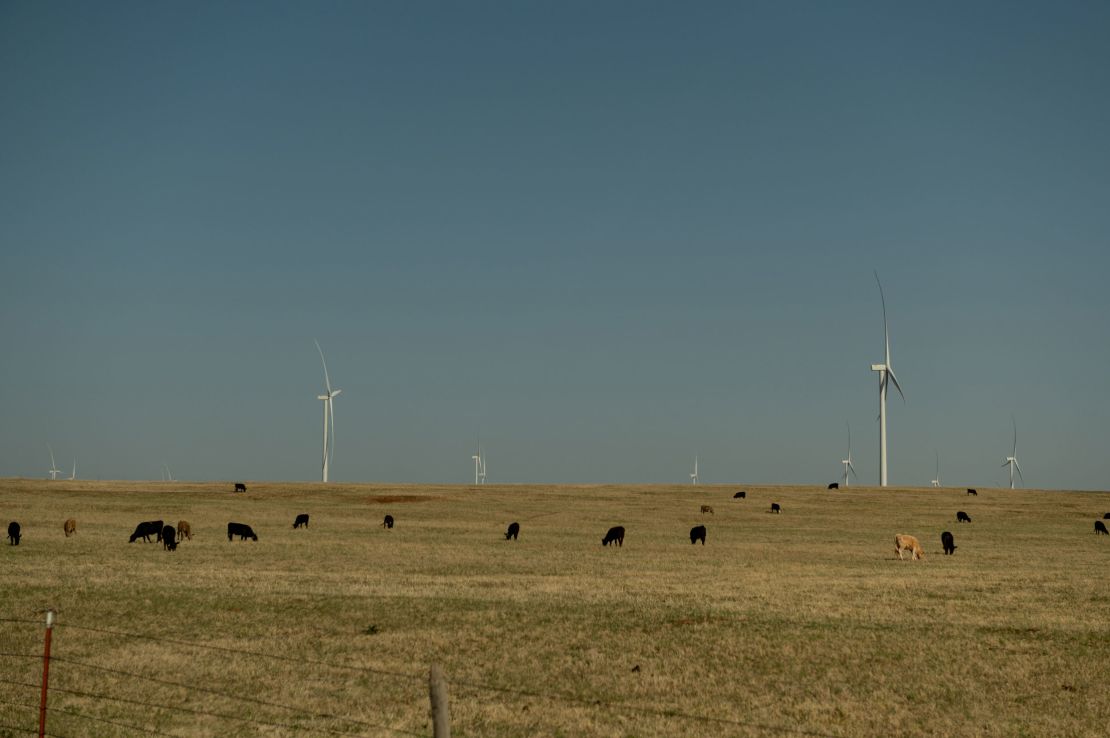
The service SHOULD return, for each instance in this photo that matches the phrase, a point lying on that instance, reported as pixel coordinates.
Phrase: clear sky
(607, 236)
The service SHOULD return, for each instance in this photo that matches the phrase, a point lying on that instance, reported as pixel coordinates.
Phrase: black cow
(740, 495)
(972, 492)
(169, 538)
(962, 517)
(146, 530)
(775, 507)
(302, 519)
(697, 533)
(834, 485)
(948, 542)
(240, 487)
(242, 530)
(388, 522)
(513, 531)
(1106, 516)
(13, 534)
(615, 535)
(1100, 528)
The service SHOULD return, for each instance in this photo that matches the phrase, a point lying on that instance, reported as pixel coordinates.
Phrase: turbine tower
(936, 482)
(482, 476)
(74, 474)
(886, 372)
(329, 414)
(1012, 461)
(54, 470)
(848, 461)
(479, 467)
(694, 476)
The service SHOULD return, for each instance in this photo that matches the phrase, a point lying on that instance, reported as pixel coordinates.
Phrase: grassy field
(803, 623)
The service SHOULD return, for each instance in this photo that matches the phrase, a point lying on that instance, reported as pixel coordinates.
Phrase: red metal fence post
(45, 672)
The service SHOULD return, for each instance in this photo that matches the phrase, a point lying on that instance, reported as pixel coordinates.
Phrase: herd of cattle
(169, 536)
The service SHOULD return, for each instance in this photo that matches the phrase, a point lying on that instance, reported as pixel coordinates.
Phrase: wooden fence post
(45, 672)
(437, 690)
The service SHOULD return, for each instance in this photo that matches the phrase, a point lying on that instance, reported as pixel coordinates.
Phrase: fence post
(437, 689)
(45, 672)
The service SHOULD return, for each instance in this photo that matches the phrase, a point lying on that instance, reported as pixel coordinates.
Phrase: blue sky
(605, 236)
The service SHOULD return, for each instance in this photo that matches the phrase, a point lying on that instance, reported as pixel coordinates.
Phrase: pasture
(804, 623)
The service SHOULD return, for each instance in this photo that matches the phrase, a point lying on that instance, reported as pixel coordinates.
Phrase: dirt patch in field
(389, 499)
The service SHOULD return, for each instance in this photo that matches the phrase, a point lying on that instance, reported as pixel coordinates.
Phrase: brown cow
(70, 527)
(903, 542)
(184, 530)
(706, 509)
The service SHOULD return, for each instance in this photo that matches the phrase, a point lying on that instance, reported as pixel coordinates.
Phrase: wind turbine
(848, 461)
(483, 474)
(54, 470)
(1012, 461)
(74, 474)
(936, 482)
(886, 371)
(694, 476)
(478, 465)
(169, 475)
(329, 413)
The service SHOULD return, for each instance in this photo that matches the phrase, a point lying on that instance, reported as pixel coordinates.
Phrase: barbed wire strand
(244, 652)
(89, 717)
(205, 713)
(218, 693)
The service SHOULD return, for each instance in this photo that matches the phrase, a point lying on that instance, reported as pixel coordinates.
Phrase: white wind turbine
(886, 371)
(483, 474)
(54, 470)
(694, 476)
(936, 482)
(1012, 461)
(479, 466)
(848, 461)
(73, 475)
(329, 413)
(168, 475)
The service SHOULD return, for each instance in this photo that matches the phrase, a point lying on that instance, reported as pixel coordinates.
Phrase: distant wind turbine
(168, 474)
(886, 371)
(54, 470)
(936, 482)
(483, 474)
(1012, 461)
(478, 465)
(694, 476)
(329, 414)
(848, 461)
(74, 474)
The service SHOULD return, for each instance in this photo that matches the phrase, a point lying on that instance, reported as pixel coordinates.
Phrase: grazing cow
(13, 533)
(70, 527)
(240, 487)
(169, 538)
(615, 535)
(775, 507)
(302, 519)
(1100, 528)
(972, 492)
(740, 495)
(697, 533)
(706, 509)
(146, 530)
(242, 530)
(1106, 516)
(962, 517)
(184, 530)
(388, 522)
(903, 542)
(513, 531)
(834, 485)
(948, 542)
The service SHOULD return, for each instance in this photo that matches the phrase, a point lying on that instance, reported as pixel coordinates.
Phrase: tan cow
(184, 531)
(70, 527)
(706, 509)
(903, 542)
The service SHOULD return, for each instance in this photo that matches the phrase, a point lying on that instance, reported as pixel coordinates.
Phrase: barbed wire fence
(19, 703)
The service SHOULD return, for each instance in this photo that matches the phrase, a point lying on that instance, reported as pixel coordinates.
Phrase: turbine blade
(890, 375)
(1015, 435)
(1018, 467)
(886, 333)
(327, 380)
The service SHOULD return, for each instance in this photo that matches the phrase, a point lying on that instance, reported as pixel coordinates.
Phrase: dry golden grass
(793, 624)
